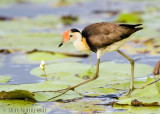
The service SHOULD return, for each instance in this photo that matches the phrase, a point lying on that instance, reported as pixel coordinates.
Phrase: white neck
(79, 43)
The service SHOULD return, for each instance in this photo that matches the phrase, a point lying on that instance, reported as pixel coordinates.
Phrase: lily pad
(38, 56)
(85, 106)
(30, 24)
(23, 59)
(21, 107)
(30, 41)
(4, 79)
(105, 68)
(136, 110)
(149, 94)
(17, 94)
(63, 79)
(73, 75)
(24, 90)
(32, 34)
(129, 18)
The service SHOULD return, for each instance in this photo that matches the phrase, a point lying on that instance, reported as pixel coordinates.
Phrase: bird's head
(70, 35)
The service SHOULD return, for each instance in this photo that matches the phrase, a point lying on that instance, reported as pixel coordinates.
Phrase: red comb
(66, 36)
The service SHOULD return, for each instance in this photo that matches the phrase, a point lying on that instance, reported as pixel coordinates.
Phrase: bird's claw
(128, 94)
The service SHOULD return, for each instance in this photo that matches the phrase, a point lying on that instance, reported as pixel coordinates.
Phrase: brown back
(102, 34)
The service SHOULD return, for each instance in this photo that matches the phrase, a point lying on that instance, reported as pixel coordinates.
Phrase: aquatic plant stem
(45, 75)
(148, 84)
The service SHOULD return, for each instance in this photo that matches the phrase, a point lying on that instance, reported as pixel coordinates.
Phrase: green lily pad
(48, 86)
(38, 56)
(63, 79)
(23, 59)
(24, 39)
(28, 24)
(4, 79)
(149, 94)
(23, 91)
(44, 96)
(17, 94)
(41, 41)
(73, 75)
(39, 96)
(129, 18)
(85, 106)
(105, 68)
(136, 110)
(21, 107)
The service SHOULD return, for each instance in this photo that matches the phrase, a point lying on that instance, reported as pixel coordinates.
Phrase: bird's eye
(70, 35)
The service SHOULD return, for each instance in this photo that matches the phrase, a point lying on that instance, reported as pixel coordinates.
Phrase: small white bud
(42, 65)
(42, 62)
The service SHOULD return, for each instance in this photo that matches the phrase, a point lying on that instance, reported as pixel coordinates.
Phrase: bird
(101, 38)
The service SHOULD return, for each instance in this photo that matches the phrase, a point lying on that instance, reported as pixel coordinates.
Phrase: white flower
(42, 62)
(42, 65)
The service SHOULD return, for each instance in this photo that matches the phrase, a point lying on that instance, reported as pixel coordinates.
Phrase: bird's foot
(63, 91)
(128, 94)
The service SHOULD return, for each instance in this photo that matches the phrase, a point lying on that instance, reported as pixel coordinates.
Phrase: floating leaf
(4, 79)
(85, 106)
(73, 75)
(17, 94)
(23, 59)
(21, 107)
(148, 94)
(65, 74)
(69, 19)
(41, 41)
(129, 18)
(136, 110)
(38, 56)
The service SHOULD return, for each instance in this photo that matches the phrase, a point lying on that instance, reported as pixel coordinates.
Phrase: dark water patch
(20, 73)
(112, 96)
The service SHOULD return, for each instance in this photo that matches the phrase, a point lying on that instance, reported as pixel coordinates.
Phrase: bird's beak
(65, 37)
(60, 44)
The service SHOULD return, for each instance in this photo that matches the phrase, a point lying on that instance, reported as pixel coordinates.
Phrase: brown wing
(99, 35)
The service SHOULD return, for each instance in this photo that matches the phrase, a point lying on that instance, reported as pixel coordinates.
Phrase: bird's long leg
(79, 84)
(132, 71)
(90, 59)
(91, 79)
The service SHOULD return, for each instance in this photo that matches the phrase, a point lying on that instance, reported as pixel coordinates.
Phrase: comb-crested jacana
(101, 38)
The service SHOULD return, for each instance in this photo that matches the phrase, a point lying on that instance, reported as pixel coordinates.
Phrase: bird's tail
(135, 27)
(138, 28)
(130, 26)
